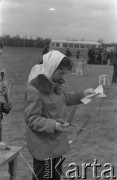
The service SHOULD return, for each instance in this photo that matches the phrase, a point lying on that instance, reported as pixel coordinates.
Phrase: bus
(74, 46)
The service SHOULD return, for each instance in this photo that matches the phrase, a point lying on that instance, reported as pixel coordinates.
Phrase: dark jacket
(44, 105)
(114, 58)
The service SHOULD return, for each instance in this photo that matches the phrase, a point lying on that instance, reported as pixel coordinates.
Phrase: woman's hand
(61, 126)
(89, 91)
(7, 107)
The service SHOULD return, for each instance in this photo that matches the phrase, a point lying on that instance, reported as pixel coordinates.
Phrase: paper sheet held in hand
(98, 93)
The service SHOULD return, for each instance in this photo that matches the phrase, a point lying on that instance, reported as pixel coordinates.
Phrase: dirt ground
(98, 139)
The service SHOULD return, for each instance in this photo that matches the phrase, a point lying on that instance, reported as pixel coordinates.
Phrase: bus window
(71, 45)
(52, 44)
(88, 45)
(57, 44)
(76, 45)
(94, 46)
(65, 45)
(82, 45)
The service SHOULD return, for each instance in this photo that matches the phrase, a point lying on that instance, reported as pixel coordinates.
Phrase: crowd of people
(102, 56)
(99, 56)
(95, 55)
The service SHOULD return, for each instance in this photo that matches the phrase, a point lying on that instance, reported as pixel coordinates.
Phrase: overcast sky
(72, 19)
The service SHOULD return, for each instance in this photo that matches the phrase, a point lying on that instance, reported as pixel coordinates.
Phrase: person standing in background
(114, 63)
(91, 55)
(104, 56)
(111, 57)
(77, 54)
(46, 50)
(80, 63)
(68, 53)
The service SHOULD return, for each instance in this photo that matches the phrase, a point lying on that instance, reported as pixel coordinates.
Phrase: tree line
(17, 41)
(39, 42)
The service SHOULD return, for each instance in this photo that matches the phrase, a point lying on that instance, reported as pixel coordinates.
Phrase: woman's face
(59, 74)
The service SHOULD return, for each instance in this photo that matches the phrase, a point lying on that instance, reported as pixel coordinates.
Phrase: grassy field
(98, 139)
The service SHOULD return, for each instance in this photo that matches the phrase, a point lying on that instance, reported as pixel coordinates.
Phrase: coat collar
(43, 84)
(46, 86)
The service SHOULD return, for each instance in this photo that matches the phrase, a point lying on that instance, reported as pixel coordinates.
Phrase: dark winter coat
(114, 58)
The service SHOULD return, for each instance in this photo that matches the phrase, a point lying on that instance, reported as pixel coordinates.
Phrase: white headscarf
(51, 60)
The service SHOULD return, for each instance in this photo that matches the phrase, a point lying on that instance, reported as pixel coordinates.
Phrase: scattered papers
(98, 92)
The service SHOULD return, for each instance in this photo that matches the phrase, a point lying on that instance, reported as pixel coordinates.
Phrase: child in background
(80, 64)
(79, 68)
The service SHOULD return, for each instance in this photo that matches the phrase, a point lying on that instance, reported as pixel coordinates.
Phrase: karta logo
(48, 168)
(75, 171)
(58, 167)
(52, 169)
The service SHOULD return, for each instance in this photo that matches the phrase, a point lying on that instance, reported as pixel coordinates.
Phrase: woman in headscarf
(45, 113)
